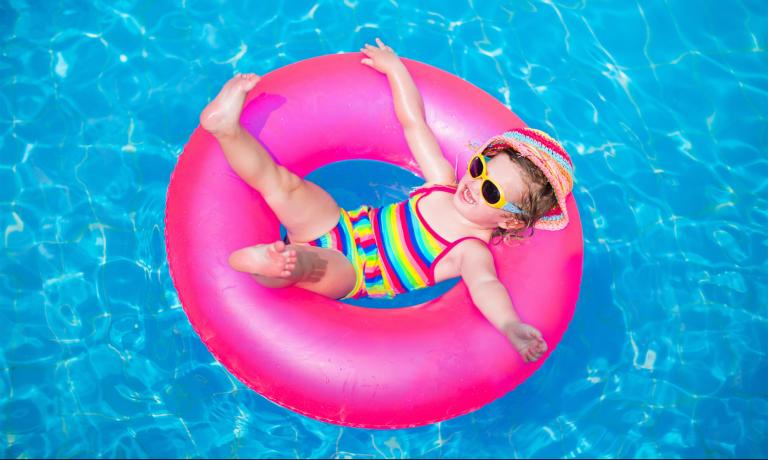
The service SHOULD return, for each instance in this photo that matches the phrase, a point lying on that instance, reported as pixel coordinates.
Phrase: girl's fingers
(383, 46)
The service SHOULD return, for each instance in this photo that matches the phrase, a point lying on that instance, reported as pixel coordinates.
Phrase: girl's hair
(534, 204)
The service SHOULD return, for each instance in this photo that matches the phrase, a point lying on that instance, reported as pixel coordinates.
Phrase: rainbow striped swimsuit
(392, 248)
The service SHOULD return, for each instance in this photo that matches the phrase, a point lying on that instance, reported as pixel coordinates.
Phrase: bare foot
(273, 260)
(527, 339)
(222, 115)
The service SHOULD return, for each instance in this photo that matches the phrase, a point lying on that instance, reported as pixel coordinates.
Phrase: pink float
(343, 364)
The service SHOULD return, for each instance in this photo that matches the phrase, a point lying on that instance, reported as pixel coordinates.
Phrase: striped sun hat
(549, 156)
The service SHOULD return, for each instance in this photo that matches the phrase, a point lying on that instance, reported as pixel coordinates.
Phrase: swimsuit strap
(427, 189)
(424, 191)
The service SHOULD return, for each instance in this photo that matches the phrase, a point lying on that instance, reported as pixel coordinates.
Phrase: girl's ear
(511, 224)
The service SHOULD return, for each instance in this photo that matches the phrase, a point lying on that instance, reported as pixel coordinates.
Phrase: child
(448, 225)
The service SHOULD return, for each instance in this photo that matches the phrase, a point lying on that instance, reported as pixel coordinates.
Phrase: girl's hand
(527, 339)
(382, 58)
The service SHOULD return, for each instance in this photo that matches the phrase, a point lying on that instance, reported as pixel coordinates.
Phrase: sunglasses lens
(476, 167)
(490, 192)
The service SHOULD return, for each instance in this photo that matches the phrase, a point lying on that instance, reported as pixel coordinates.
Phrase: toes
(246, 80)
(289, 255)
(278, 246)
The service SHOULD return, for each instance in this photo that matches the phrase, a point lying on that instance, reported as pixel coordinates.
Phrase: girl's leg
(306, 210)
(320, 270)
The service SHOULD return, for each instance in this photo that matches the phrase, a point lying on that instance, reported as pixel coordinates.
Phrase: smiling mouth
(466, 196)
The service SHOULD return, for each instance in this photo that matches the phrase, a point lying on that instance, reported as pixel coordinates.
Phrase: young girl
(518, 181)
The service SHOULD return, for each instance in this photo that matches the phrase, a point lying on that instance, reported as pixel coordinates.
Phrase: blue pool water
(661, 104)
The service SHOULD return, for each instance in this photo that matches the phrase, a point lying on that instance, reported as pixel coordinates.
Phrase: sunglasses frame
(503, 203)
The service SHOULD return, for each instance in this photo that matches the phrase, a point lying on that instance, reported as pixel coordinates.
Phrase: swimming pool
(662, 107)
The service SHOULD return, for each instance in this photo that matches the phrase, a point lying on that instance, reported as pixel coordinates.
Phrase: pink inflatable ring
(343, 364)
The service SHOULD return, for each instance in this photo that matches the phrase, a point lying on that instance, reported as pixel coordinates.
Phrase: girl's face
(470, 203)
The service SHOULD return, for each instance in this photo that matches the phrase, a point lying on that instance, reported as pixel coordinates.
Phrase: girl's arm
(492, 299)
(409, 108)
(487, 292)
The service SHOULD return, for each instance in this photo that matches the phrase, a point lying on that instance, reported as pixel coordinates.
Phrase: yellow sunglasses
(491, 192)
